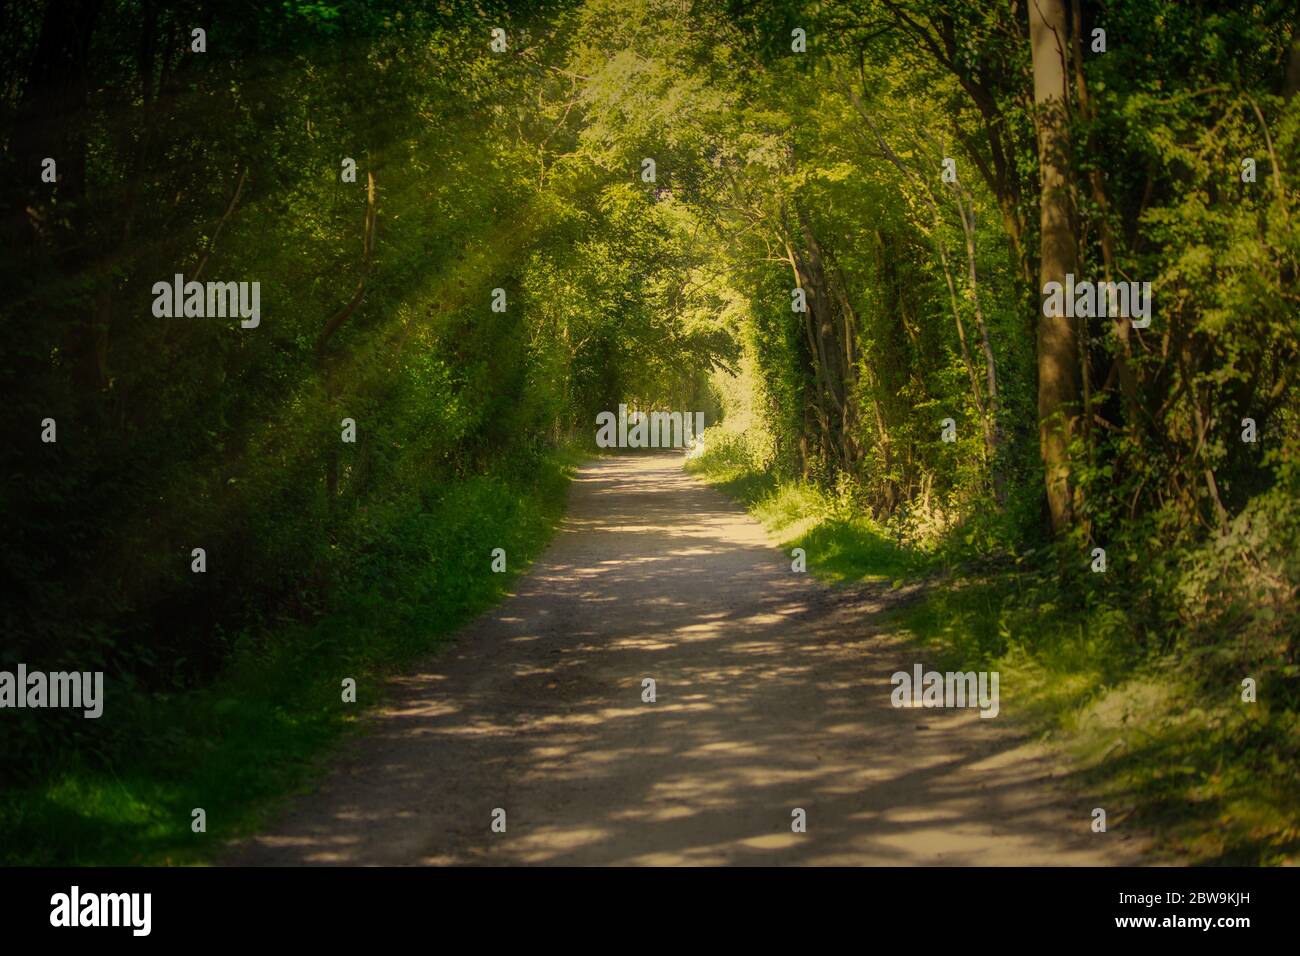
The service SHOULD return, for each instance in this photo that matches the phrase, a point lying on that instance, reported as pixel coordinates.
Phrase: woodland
(841, 252)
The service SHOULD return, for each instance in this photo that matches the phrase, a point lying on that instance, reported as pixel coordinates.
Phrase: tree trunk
(823, 345)
(1058, 356)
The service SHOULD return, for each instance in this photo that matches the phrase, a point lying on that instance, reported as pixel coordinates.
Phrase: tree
(1058, 347)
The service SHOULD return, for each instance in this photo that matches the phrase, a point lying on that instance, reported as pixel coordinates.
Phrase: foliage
(777, 172)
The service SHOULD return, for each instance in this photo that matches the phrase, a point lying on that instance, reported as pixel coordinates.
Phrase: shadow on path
(773, 693)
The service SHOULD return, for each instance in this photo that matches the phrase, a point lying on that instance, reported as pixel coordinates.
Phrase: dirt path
(773, 693)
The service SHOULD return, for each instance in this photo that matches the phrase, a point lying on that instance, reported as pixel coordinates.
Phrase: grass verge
(1212, 780)
(236, 747)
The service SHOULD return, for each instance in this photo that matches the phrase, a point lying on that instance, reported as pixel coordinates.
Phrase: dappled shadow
(773, 693)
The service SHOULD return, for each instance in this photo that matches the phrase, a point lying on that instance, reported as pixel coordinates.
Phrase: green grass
(840, 546)
(1162, 746)
(237, 747)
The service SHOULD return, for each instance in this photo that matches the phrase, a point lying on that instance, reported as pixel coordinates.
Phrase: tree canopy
(832, 226)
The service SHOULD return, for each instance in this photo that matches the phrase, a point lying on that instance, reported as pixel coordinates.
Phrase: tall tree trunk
(992, 427)
(823, 345)
(836, 344)
(1058, 354)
